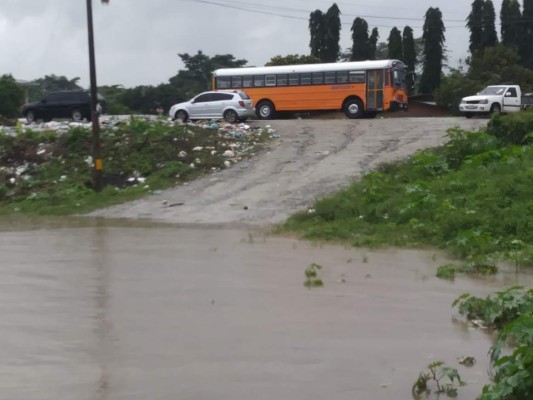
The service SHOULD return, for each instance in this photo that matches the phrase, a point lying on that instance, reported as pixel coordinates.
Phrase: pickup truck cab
(493, 99)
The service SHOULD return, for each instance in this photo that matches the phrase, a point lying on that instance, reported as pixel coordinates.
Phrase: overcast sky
(137, 41)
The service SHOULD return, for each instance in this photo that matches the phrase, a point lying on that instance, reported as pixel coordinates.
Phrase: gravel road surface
(310, 159)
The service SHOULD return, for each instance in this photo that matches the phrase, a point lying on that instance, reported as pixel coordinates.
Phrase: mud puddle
(113, 311)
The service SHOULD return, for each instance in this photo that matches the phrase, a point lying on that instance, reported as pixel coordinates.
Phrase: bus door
(374, 90)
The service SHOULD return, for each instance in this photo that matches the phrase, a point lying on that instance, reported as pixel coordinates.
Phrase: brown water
(108, 311)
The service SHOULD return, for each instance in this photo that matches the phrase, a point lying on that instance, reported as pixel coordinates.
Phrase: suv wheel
(76, 115)
(30, 116)
(231, 116)
(181, 116)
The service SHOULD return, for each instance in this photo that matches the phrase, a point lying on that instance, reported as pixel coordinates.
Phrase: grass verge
(473, 196)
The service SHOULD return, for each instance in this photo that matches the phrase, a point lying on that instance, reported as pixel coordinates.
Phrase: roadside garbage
(201, 145)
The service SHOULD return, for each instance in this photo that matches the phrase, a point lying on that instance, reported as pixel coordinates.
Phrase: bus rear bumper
(397, 106)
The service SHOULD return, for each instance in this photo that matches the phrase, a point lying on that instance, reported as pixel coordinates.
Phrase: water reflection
(100, 253)
(115, 310)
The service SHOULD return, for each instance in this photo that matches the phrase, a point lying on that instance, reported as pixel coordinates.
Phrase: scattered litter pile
(51, 162)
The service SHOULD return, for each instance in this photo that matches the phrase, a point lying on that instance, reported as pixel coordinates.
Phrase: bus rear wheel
(265, 110)
(353, 108)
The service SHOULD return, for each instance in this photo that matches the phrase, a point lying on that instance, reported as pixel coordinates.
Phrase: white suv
(233, 106)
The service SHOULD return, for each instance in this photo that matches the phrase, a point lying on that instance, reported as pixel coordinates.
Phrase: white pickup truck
(495, 99)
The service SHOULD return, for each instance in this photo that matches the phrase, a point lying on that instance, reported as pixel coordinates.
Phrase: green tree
(52, 83)
(360, 40)
(201, 66)
(317, 30)
(475, 25)
(11, 97)
(510, 17)
(395, 44)
(114, 98)
(188, 82)
(495, 64)
(500, 64)
(382, 51)
(453, 87)
(433, 35)
(373, 44)
(292, 59)
(409, 49)
(490, 38)
(333, 29)
(527, 34)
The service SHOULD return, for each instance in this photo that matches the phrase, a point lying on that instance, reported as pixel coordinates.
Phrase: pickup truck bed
(527, 100)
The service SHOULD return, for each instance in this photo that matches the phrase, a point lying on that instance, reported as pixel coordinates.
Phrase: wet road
(108, 311)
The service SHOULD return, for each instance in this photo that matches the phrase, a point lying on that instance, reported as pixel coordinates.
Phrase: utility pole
(97, 150)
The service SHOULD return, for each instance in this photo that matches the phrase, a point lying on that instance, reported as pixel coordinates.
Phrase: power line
(228, 4)
(244, 6)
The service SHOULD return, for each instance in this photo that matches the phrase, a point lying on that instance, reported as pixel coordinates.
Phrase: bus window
(236, 81)
(223, 82)
(259, 80)
(357, 76)
(270, 80)
(282, 79)
(342, 77)
(305, 79)
(294, 79)
(329, 77)
(387, 77)
(318, 78)
(247, 81)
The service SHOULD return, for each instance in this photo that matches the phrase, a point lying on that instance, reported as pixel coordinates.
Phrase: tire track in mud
(312, 158)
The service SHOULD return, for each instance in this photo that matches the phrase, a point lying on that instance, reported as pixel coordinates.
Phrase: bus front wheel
(353, 108)
(265, 110)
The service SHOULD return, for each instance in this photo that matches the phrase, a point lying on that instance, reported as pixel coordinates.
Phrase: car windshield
(493, 90)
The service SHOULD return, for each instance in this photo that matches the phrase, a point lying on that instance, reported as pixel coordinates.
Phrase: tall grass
(473, 196)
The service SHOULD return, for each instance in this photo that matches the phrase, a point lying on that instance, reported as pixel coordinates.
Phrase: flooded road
(109, 311)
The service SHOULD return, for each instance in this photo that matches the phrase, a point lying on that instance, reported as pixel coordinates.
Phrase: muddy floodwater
(107, 310)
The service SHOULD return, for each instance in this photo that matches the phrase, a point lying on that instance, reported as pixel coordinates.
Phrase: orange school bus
(358, 88)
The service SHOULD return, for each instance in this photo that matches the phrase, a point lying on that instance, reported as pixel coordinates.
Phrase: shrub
(516, 128)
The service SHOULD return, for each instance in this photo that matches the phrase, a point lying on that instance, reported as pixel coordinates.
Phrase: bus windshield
(399, 78)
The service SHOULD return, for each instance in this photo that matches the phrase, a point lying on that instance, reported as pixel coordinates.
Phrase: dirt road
(311, 158)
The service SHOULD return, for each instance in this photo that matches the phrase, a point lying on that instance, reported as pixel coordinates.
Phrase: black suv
(68, 104)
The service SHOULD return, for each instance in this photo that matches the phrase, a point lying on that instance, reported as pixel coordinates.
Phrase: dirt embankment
(310, 159)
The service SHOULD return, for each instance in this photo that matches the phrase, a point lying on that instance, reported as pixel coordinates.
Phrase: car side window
(203, 98)
(511, 92)
(72, 97)
(221, 96)
(54, 98)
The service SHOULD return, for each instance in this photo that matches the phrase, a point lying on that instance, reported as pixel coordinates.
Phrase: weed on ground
(50, 173)
(473, 196)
